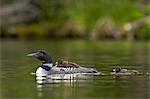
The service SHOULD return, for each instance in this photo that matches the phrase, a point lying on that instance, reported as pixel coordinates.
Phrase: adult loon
(61, 67)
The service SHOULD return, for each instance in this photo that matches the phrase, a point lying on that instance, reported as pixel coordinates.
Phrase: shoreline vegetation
(75, 19)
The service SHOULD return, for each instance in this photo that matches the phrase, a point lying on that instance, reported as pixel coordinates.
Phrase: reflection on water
(108, 87)
(59, 78)
(70, 83)
(17, 83)
(44, 83)
(67, 80)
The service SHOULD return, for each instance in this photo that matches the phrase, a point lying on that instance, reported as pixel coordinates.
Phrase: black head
(116, 70)
(60, 61)
(41, 55)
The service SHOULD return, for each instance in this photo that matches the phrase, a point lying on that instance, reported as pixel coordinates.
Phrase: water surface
(17, 83)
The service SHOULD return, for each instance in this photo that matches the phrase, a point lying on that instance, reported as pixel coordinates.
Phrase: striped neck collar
(47, 66)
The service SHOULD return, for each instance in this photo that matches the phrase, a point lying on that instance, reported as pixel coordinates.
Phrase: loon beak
(32, 55)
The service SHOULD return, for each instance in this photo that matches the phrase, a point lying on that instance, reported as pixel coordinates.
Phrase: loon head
(116, 70)
(41, 55)
(46, 62)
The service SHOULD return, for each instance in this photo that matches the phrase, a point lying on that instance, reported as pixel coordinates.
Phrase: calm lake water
(17, 83)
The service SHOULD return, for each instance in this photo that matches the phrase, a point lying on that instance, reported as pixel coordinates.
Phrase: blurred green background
(83, 19)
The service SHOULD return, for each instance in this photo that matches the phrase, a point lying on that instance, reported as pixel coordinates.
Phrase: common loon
(124, 71)
(61, 67)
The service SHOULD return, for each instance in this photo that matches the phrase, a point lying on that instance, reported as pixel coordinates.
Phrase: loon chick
(61, 67)
(62, 63)
(120, 71)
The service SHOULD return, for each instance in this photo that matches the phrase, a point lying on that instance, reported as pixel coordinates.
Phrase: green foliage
(89, 11)
(52, 9)
(84, 15)
(144, 32)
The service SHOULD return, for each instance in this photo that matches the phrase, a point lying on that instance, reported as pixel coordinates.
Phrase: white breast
(41, 72)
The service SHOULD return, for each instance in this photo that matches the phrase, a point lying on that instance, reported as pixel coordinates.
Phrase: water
(17, 83)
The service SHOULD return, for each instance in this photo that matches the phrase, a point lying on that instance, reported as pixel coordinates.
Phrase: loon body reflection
(61, 67)
(58, 78)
